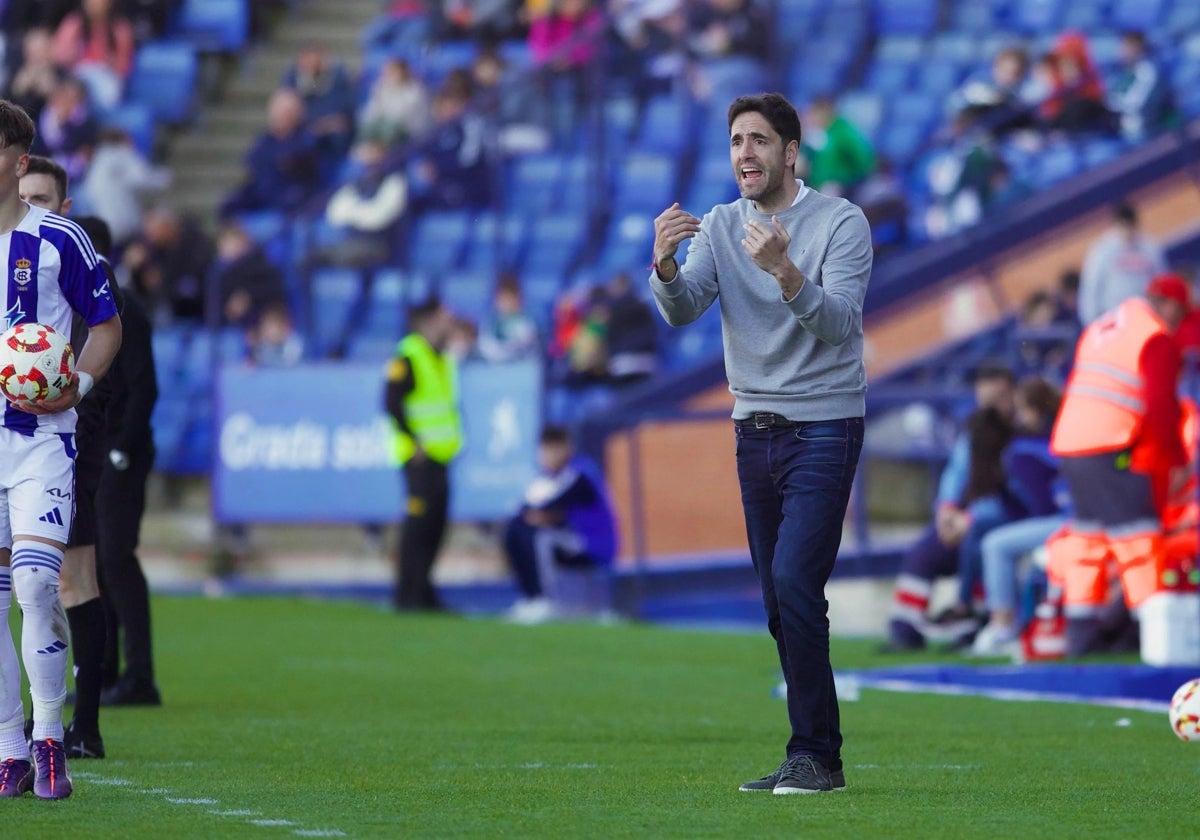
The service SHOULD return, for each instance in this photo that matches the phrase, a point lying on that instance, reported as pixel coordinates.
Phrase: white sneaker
(530, 611)
(994, 640)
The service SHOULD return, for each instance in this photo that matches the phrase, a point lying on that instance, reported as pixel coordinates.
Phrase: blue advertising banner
(311, 444)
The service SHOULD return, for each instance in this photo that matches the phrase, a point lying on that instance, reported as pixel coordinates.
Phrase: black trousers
(119, 508)
(421, 535)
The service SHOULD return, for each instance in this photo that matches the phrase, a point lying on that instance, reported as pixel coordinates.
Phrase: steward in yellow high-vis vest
(422, 399)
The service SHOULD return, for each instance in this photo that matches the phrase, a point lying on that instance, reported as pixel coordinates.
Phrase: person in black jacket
(128, 456)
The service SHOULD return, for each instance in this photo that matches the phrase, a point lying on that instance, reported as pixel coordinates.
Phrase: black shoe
(803, 774)
(837, 779)
(131, 692)
(82, 744)
(766, 782)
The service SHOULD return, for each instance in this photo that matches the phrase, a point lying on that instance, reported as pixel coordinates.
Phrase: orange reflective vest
(1104, 404)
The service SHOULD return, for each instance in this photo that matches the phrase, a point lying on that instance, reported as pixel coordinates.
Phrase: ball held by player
(36, 363)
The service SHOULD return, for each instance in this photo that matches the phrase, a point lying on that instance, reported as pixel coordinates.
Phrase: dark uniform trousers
(428, 487)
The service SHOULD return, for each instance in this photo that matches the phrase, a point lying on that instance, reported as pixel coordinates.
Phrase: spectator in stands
(839, 157)
(327, 91)
(935, 553)
(882, 200)
(97, 45)
(1037, 500)
(961, 180)
(1118, 266)
(168, 264)
(449, 170)
(631, 337)
(647, 49)
(1141, 94)
(587, 354)
(1066, 292)
(565, 527)
(1076, 100)
(118, 181)
(999, 104)
(487, 21)
(397, 108)
(151, 18)
(368, 208)
(510, 334)
(728, 40)
(505, 102)
(247, 283)
(20, 15)
(67, 129)
(274, 341)
(564, 38)
(38, 76)
(1047, 334)
(282, 165)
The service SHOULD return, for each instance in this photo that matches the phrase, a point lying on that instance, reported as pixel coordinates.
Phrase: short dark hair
(775, 109)
(555, 435)
(420, 313)
(1137, 36)
(1041, 395)
(1124, 213)
(16, 126)
(98, 231)
(39, 165)
(1068, 281)
(992, 370)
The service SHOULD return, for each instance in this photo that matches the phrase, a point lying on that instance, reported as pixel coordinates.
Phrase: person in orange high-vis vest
(1118, 435)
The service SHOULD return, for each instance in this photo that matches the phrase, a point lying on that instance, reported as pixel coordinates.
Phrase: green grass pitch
(287, 718)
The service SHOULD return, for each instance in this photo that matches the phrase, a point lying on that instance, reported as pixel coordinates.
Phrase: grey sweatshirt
(801, 358)
(1116, 270)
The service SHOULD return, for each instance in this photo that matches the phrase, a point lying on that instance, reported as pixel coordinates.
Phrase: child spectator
(510, 334)
(1141, 95)
(397, 107)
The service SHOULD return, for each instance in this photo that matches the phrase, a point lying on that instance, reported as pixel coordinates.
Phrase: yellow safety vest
(431, 407)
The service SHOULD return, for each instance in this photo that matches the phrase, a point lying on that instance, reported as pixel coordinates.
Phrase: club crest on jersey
(22, 272)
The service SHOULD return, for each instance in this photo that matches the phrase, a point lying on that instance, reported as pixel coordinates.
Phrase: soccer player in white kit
(48, 269)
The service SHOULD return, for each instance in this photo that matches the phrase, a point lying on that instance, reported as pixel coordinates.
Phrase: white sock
(12, 712)
(44, 633)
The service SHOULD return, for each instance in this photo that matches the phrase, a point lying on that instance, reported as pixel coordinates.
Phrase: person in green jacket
(839, 157)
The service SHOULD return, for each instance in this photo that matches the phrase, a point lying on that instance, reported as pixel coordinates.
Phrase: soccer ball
(36, 362)
(1185, 711)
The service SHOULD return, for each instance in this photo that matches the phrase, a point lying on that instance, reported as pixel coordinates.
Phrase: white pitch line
(271, 822)
(318, 832)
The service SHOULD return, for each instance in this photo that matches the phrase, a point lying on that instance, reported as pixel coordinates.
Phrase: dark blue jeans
(795, 482)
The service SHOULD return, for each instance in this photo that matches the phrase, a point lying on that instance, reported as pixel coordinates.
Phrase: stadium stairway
(207, 157)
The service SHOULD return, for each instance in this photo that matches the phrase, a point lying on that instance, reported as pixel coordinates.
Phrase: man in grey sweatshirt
(789, 267)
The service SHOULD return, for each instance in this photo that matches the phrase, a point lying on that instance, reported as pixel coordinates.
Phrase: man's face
(761, 163)
(40, 190)
(995, 392)
(552, 457)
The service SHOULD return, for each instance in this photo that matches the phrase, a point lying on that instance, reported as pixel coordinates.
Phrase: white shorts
(37, 486)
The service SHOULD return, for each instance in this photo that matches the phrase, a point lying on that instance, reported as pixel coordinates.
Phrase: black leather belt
(765, 420)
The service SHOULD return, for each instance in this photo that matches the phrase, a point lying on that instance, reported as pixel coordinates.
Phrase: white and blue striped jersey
(50, 271)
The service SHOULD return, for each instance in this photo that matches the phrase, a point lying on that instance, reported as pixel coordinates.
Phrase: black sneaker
(82, 744)
(128, 692)
(802, 774)
(766, 782)
(837, 779)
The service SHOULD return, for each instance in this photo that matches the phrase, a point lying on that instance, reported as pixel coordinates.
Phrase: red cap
(1172, 287)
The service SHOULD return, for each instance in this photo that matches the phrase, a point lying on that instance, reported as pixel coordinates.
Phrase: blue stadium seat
(664, 124)
(863, 110)
(645, 182)
(469, 293)
(516, 53)
(711, 184)
(806, 80)
(495, 242)
(438, 240)
(386, 306)
(900, 49)
(437, 62)
(937, 77)
(369, 347)
(334, 293)
(1100, 151)
(1138, 14)
(169, 422)
(1083, 16)
(167, 347)
(630, 243)
(164, 80)
(137, 121)
(1037, 16)
(1057, 163)
(1181, 20)
(534, 180)
(900, 141)
(215, 25)
(889, 77)
(262, 225)
(538, 293)
(973, 17)
(554, 243)
(958, 47)
(795, 21)
(906, 17)
(919, 108)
